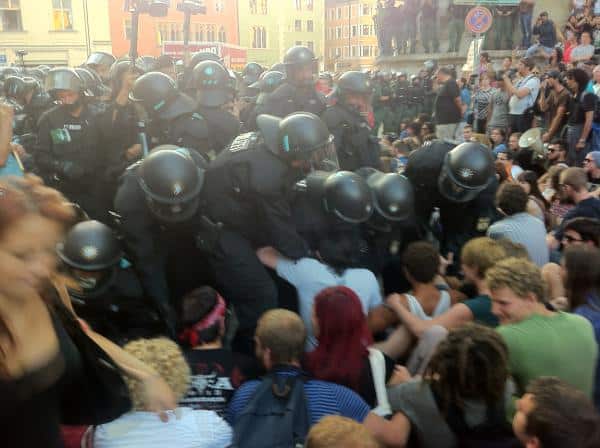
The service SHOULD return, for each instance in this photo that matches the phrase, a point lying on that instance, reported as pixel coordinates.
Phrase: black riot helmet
(16, 87)
(117, 71)
(357, 83)
(251, 73)
(91, 247)
(344, 193)
(5, 72)
(268, 81)
(279, 67)
(101, 58)
(393, 194)
(212, 83)
(300, 136)
(90, 82)
(430, 65)
(296, 59)
(154, 91)
(468, 169)
(63, 79)
(202, 56)
(171, 181)
(146, 63)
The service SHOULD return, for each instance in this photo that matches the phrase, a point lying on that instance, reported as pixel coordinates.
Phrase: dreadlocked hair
(471, 363)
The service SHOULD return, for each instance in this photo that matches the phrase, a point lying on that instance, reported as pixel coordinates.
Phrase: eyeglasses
(570, 239)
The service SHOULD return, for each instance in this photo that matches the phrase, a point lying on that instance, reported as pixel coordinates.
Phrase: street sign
(478, 20)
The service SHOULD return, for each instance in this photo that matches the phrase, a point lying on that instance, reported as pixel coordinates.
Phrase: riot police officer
(157, 203)
(461, 182)
(186, 78)
(214, 89)
(298, 92)
(416, 97)
(19, 92)
(251, 73)
(96, 92)
(107, 294)
(247, 194)
(355, 145)
(267, 84)
(67, 153)
(171, 115)
(100, 63)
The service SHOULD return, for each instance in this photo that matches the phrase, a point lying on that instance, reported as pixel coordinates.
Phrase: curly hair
(470, 364)
(335, 431)
(164, 356)
(511, 198)
(481, 254)
(421, 260)
(521, 276)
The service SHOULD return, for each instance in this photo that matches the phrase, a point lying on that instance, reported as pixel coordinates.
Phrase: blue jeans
(525, 21)
(531, 51)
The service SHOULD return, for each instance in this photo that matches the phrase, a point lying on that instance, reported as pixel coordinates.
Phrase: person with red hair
(342, 355)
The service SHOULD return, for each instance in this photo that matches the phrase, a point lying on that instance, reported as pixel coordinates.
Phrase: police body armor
(287, 99)
(355, 145)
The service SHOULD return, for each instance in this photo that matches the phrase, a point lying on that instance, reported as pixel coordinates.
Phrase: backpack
(275, 417)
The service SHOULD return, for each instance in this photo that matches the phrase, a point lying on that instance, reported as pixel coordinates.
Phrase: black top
(216, 375)
(580, 104)
(367, 386)
(446, 111)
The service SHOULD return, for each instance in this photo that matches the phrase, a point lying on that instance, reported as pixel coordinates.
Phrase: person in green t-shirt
(540, 342)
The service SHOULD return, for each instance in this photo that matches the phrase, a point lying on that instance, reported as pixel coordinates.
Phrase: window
(366, 30)
(298, 43)
(263, 7)
(366, 51)
(354, 51)
(298, 25)
(339, 13)
(310, 44)
(310, 26)
(298, 4)
(163, 30)
(210, 33)
(338, 32)
(366, 10)
(346, 52)
(127, 29)
(309, 5)
(338, 52)
(252, 6)
(259, 37)
(62, 16)
(222, 35)
(354, 30)
(11, 15)
(219, 6)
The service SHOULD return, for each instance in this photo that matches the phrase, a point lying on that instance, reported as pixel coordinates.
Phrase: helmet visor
(173, 213)
(324, 159)
(454, 192)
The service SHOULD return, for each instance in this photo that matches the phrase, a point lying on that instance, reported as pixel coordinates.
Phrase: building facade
(350, 35)
(54, 32)
(219, 25)
(269, 27)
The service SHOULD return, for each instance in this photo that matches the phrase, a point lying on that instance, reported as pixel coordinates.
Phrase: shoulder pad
(244, 142)
(332, 116)
(193, 125)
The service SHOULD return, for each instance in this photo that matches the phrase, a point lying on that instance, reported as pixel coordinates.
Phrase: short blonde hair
(164, 356)
(481, 254)
(335, 431)
(282, 332)
(520, 276)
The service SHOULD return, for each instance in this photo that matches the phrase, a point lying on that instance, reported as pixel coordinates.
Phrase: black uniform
(355, 145)
(287, 99)
(223, 127)
(68, 156)
(247, 190)
(459, 221)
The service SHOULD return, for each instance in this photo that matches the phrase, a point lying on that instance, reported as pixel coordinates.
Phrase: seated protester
(573, 182)
(280, 338)
(585, 50)
(477, 256)
(339, 432)
(342, 355)
(216, 371)
(498, 136)
(518, 225)
(591, 165)
(576, 232)
(185, 427)
(553, 414)
(540, 342)
(507, 158)
(457, 402)
(309, 276)
(581, 265)
(537, 204)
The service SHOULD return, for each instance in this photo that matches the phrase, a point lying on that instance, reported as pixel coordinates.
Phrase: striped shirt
(323, 399)
(524, 229)
(481, 103)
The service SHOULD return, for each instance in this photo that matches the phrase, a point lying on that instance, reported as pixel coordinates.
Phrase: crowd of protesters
(492, 341)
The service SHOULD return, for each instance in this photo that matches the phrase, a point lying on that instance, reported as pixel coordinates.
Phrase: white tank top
(415, 306)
